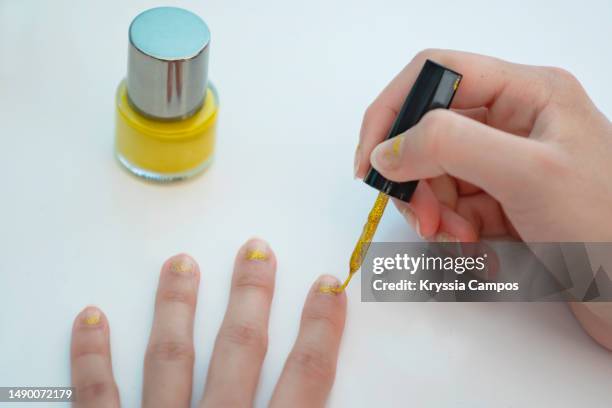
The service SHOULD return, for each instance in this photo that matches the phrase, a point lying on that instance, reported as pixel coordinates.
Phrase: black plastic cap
(434, 88)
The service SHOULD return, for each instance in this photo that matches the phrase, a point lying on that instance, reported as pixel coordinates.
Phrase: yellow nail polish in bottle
(166, 108)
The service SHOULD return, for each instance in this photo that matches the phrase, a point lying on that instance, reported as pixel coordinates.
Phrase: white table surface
(294, 79)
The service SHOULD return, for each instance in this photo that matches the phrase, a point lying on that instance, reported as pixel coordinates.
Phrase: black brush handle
(434, 88)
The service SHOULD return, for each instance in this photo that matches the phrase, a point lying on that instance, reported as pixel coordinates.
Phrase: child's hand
(239, 350)
(525, 153)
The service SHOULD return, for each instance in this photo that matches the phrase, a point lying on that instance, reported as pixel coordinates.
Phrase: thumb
(445, 142)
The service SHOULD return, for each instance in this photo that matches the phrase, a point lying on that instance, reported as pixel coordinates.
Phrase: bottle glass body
(165, 150)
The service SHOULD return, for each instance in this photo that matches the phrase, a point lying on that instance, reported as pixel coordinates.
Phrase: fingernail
(357, 161)
(328, 285)
(91, 316)
(387, 154)
(409, 214)
(182, 264)
(412, 219)
(257, 250)
(443, 237)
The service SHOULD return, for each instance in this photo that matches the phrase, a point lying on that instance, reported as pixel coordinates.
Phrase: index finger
(487, 82)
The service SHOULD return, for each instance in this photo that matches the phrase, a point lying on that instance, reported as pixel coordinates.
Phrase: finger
(92, 373)
(485, 214)
(454, 228)
(444, 188)
(169, 358)
(243, 337)
(464, 188)
(310, 369)
(375, 127)
(426, 204)
(423, 211)
(480, 248)
(477, 114)
(444, 142)
(487, 81)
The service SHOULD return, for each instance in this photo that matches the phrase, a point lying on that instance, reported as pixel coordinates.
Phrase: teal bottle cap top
(169, 33)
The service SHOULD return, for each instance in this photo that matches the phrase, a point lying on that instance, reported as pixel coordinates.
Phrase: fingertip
(357, 163)
(376, 155)
(90, 317)
(426, 208)
(325, 299)
(327, 285)
(90, 360)
(406, 210)
(364, 166)
(327, 306)
(181, 264)
(377, 120)
(256, 249)
(90, 332)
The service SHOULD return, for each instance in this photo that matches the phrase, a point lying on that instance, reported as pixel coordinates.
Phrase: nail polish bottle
(166, 108)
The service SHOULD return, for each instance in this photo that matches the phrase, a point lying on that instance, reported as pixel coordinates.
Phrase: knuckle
(92, 391)
(171, 351)
(371, 113)
(432, 124)
(561, 74)
(435, 119)
(551, 162)
(90, 349)
(312, 363)
(425, 54)
(186, 297)
(256, 281)
(562, 80)
(323, 316)
(245, 335)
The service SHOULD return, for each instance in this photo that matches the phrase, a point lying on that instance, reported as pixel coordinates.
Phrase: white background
(294, 79)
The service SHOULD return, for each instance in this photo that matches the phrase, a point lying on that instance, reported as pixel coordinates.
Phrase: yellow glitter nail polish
(434, 88)
(330, 288)
(92, 317)
(363, 243)
(256, 255)
(166, 110)
(182, 266)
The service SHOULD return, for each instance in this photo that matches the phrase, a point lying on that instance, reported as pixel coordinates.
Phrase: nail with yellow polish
(257, 251)
(182, 265)
(387, 154)
(329, 285)
(91, 316)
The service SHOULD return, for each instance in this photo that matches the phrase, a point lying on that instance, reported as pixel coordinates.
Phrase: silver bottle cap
(167, 63)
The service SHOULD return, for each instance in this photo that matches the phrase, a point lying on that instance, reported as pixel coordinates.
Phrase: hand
(239, 350)
(524, 153)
